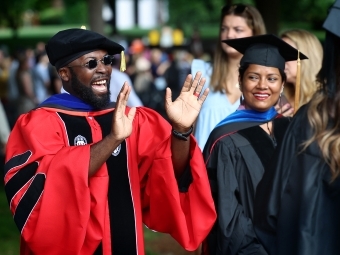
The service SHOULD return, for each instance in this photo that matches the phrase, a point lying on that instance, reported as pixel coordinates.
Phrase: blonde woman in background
(308, 43)
(237, 21)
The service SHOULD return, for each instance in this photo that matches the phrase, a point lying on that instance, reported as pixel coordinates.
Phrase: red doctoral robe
(60, 210)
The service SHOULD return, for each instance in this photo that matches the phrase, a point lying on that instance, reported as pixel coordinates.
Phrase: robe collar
(68, 101)
(249, 116)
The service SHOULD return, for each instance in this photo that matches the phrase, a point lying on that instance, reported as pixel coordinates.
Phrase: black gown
(235, 163)
(297, 209)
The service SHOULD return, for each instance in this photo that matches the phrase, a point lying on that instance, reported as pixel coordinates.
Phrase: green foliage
(51, 16)
(76, 12)
(40, 5)
(194, 12)
(199, 14)
(313, 12)
(11, 12)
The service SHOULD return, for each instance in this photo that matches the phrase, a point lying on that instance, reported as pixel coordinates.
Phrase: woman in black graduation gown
(297, 204)
(240, 146)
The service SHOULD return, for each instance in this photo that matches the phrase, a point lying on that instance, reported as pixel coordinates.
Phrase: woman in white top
(237, 21)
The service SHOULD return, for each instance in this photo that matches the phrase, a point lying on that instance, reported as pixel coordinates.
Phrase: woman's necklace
(271, 134)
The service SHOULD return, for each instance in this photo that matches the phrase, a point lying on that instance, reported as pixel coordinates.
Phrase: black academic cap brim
(332, 22)
(267, 50)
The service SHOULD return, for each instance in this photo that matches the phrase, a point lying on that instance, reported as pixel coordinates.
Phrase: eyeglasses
(93, 63)
(236, 8)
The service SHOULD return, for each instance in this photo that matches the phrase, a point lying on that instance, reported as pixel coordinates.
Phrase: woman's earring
(280, 101)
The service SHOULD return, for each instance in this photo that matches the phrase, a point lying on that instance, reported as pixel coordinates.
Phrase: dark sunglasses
(236, 8)
(93, 63)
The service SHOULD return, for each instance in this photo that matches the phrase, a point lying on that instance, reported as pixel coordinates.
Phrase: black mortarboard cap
(70, 44)
(332, 22)
(265, 50)
(332, 27)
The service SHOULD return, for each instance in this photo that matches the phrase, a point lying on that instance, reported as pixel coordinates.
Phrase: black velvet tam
(265, 50)
(70, 44)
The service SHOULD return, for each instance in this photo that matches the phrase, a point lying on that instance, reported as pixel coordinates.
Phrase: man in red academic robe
(82, 175)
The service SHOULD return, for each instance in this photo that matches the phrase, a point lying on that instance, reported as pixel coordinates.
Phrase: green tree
(311, 12)
(11, 11)
(194, 12)
(308, 14)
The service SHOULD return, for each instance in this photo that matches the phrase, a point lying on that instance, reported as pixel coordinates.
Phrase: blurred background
(32, 21)
(161, 38)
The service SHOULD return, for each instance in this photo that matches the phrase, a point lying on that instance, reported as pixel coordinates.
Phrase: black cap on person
(332, 22)
(265, 50)
(331, 45)
(70, 44)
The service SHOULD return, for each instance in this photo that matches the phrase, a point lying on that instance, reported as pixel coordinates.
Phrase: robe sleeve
(47, 186)
(233, 231)
(187, 216)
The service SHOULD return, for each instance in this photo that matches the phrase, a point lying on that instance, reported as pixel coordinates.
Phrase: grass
(149, 236)
(9, 234)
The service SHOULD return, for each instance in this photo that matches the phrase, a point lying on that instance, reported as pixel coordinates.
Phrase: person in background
(236, 21)
(5, 64)
(117, 80)
(178, 70)
(241, 145)
(83, 176)
(41, 77)
(4, 134)
(24, 80)
(297, 203)
(310, 45)
(56, 84)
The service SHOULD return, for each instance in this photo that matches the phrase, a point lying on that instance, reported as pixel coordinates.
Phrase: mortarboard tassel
(122, 62)
(297, 85)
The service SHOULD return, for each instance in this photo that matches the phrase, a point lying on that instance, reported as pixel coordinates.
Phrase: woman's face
(233, 27)
(261, 87)
(291, 66)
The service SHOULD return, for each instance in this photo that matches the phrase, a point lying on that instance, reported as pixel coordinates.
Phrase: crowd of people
(238, 155)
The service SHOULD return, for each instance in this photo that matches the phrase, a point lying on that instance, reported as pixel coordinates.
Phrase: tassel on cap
(297, 85)
(122, 62)
(83, 27)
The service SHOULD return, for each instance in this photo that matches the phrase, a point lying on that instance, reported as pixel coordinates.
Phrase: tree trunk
(96, 21)
(113, 21)
(270, 11)
(135, 3)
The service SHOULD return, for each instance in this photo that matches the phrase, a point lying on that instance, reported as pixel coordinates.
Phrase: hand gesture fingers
(195, 83)
(122, 123)
(184, 110)
(286, 110)
(202, 98)
(122, 101)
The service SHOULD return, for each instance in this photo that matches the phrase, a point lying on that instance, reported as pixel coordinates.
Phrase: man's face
(91, 85)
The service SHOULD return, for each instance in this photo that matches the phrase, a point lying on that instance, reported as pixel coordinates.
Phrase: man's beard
(86, 94)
